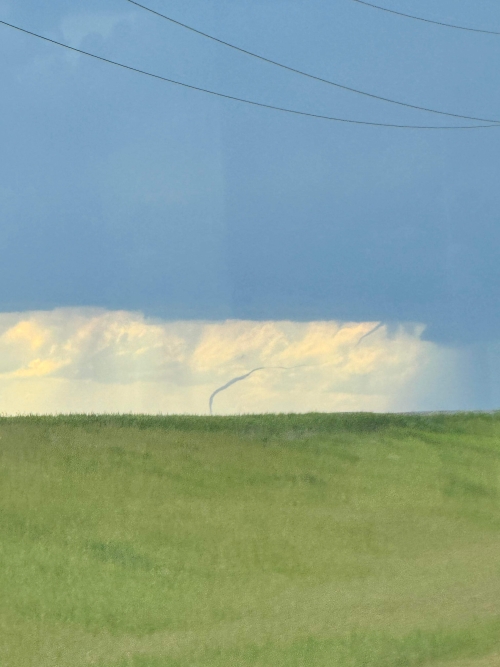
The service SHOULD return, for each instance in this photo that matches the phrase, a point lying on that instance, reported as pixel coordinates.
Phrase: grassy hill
(275, 541)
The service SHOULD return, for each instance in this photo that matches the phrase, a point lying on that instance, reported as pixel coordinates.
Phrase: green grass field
(277, 541)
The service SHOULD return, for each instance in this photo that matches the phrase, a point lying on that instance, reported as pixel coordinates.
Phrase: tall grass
(321, 539)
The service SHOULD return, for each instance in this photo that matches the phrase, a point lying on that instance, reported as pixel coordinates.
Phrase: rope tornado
(243, 377)
(263, 368)
(369, 333)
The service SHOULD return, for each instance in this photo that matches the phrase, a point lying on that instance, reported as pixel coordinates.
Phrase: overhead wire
(308, 75)
(243, 100)
(420, 18)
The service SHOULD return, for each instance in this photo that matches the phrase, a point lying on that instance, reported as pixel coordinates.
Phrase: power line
(245, 101)
(419, 18)
(306, 74)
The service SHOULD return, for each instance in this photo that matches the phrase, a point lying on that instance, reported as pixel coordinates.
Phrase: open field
(274, 541)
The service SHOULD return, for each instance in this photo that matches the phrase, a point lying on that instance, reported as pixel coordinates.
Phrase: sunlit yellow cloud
(326, 342)
(27, 332)
(38, 368)
(224, 342)
(92, 360)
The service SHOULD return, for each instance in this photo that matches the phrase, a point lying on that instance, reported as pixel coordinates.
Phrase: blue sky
(124, 193)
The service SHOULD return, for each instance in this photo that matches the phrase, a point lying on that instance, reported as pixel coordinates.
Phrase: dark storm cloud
(387, 229)
(121, 192)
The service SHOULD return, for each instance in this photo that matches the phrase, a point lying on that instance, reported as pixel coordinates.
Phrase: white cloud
(92, 360)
